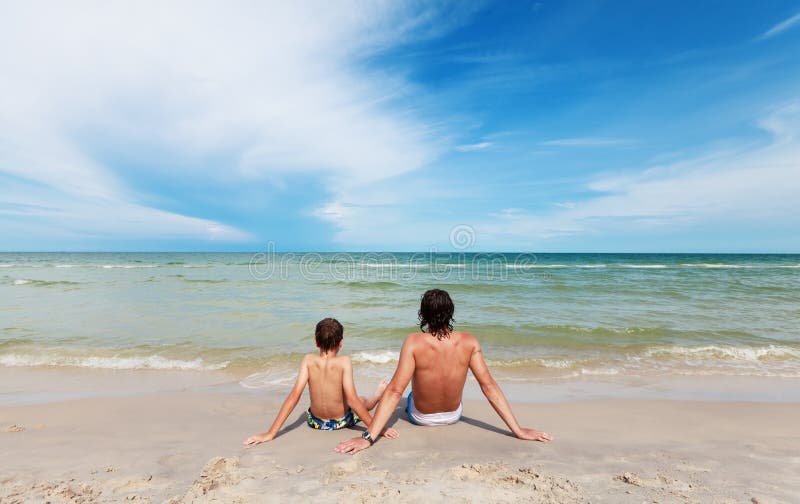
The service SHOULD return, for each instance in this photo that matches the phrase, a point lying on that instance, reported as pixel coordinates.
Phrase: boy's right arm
(286, 409)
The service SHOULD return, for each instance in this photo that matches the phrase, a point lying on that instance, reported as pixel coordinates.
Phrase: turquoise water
(539, 317)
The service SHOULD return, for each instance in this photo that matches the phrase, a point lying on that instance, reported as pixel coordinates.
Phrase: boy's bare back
(326, 387)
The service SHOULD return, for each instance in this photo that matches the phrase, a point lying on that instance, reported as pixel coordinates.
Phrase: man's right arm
(497, 399)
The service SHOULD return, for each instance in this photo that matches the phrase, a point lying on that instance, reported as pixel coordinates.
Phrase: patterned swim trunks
(349, 419)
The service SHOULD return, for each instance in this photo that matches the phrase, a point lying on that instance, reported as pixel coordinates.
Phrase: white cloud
(272, 88)
(781, 27)
(588, 142)
(748, 186)
(473, 147)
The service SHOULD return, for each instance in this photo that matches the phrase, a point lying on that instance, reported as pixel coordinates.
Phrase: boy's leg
(371, 402)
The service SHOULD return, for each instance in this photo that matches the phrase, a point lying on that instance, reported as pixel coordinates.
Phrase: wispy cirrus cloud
(97, 95)
(747, 186)
(589, 142)
(781, 27)
(473, 147)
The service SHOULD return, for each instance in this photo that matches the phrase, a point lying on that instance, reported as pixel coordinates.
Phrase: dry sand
(185, 446)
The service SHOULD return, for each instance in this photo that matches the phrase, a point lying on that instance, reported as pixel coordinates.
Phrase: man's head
(329, 334)
(436, 313)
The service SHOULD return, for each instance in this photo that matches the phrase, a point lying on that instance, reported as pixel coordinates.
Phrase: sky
(542, 126)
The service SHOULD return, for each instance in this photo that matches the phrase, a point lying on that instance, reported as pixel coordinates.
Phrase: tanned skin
(330, 386)
(437, 369)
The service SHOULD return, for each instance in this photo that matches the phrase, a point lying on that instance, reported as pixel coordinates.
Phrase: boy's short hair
(329, 334)
(436, 313)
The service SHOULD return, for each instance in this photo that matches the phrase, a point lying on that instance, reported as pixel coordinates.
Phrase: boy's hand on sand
(534, 435)
(352, 445)
(259, 438)
(391, 433)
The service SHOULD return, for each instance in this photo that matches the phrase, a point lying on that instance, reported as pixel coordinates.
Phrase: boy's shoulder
(339, 359)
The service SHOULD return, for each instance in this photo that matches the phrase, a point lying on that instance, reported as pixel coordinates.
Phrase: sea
(539, 317)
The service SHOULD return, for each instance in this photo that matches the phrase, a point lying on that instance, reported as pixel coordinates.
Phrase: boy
(330, 385)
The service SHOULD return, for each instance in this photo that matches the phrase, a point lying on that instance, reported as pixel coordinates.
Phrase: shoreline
(43, 385)
(185, 446)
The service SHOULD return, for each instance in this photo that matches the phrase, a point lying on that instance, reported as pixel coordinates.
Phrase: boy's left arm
(352, 398)
(350, 394)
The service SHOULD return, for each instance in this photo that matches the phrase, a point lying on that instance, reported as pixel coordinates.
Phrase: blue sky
(537, 126)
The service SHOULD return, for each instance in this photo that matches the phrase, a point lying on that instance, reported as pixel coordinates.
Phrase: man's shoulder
(417, 337)
(462, 336)
(466, 339)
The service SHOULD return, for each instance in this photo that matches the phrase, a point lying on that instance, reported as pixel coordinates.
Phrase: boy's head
(436, 313)
(329, 334)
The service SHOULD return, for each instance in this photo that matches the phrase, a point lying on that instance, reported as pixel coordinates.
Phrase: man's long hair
(436, 313)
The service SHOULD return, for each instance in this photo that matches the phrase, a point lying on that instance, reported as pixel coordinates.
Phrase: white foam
(21, 282)
(532, 266)
(379, 357)
(66, 265)
(268, 379)
(6, 265)
(715, 265)
(728, 352)
(98, 362)
(644, 266)
(600, 372)
(128, 266)
(552, 363)
(557, 363)
(392, 265)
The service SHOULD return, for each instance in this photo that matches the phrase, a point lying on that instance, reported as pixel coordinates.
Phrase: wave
(715, 265)
(100, 362)
(643, 266)
(534, 266)
(268, 379)
(376, 357)
(128, 266)
(392, 265)
(203, 280)
(43, 283)
(7, 265)
(727, 352)
(363, 284)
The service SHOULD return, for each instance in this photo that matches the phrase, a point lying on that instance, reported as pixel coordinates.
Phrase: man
(436, 362)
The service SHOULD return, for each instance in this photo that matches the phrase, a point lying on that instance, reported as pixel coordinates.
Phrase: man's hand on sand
(259, 438)
(352, 445)
(391, 433)
(534, 435)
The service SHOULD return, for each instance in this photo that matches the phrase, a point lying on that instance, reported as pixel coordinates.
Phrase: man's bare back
(440, 369)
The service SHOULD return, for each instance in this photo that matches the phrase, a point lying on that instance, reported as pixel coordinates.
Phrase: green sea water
(538, 316)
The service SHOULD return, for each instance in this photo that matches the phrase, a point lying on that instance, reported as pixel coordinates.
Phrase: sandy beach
(184, 445)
